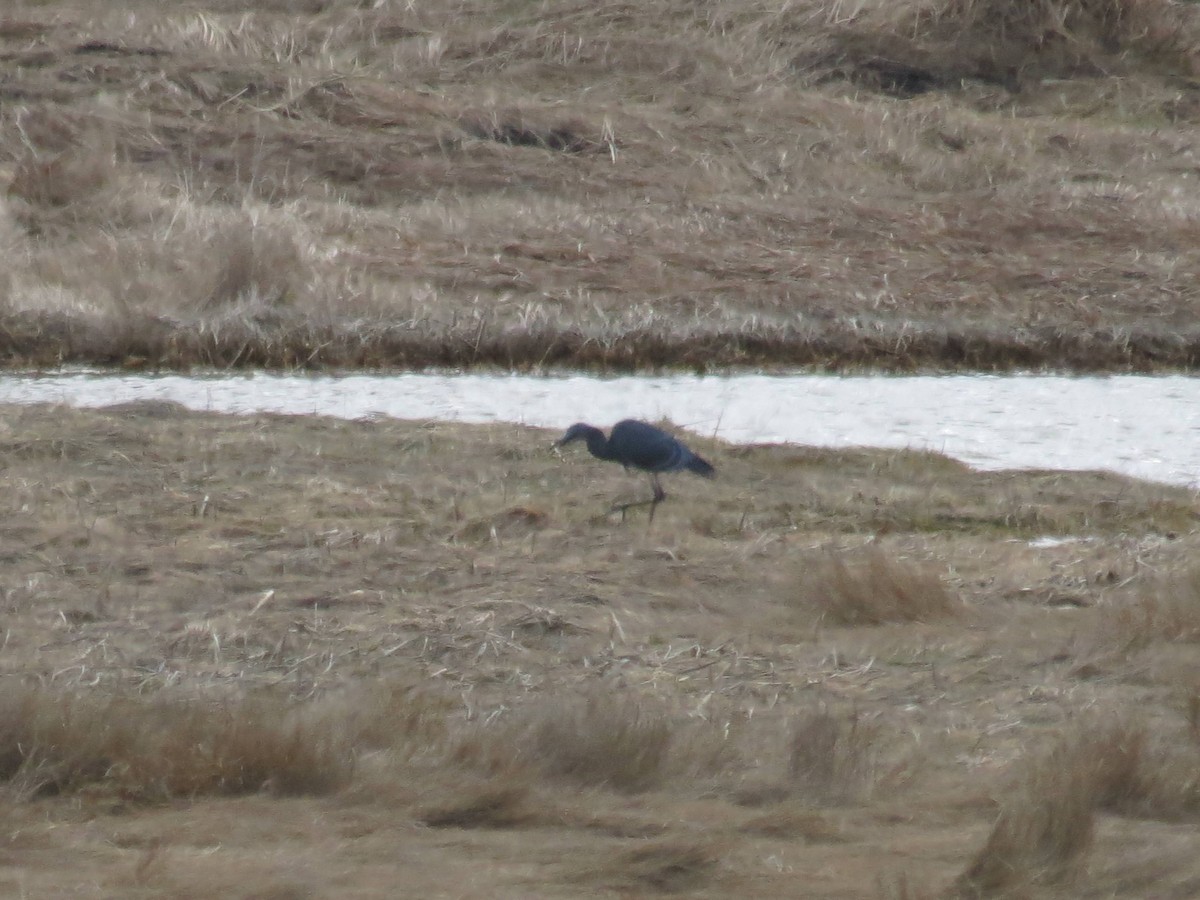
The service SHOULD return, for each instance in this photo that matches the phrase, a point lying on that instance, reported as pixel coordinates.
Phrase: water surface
(1147, 426)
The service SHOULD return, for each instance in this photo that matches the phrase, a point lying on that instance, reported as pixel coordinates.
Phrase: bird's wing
(643, 446)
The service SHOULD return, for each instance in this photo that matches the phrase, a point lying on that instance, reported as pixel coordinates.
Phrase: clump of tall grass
(665, 865)
(826, 758)
(1047, 819)
(262, 265)
(1165, 608)
(620, 741)
(911, 47)
(59, 741)
(832, 758)
(596, 737)
(130, 273)
(1066, 32)
(607, 737)
(870, 587)
(1046, 822)
(70, 178)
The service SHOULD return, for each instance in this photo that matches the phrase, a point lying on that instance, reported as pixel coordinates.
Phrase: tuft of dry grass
(664, 865)
(399, 717)
(1150, 773)
(58, 742)
(870, 587)
(1047, 821)
(602, 736)
(486, 805)
(826, 758)
(1165, 608)
(832, 759)
(909, 48)
(254, 266)
(81, 174)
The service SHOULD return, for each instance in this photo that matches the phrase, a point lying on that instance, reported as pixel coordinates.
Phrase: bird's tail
(700, 467)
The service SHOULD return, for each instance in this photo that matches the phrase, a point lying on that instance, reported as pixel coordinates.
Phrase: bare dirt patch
(961, 184)
(287, 656)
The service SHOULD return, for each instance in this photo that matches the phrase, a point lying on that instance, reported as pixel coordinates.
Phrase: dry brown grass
(832, 758)
(1166, 607)
(910, 48)
(602, 738)
(827, 758)
(959, 183)
(246, 654)
(1047, 822)
(61, 742)
(79, 177)
(663, 866)
(486, 805)
(869, 587)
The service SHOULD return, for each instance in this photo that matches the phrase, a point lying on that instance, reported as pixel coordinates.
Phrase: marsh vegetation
(972, 185)
(294, 656)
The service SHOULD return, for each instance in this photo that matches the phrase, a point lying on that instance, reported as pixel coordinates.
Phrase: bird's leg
(622, 507)
(659, 496)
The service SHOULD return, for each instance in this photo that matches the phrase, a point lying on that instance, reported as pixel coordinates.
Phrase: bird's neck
(597, 444)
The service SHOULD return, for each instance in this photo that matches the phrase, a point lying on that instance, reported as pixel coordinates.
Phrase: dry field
(287, 658)
(293, 657)
(600, 183)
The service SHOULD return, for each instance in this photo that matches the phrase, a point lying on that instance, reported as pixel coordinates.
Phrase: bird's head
(577, 432)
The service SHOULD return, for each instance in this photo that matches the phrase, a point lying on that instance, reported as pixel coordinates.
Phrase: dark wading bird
(639, 445)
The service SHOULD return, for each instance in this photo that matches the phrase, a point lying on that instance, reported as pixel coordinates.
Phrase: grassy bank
(606, 185)
(299, 657)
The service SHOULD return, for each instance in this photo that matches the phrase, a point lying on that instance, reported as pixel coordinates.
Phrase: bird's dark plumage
(639, 445)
